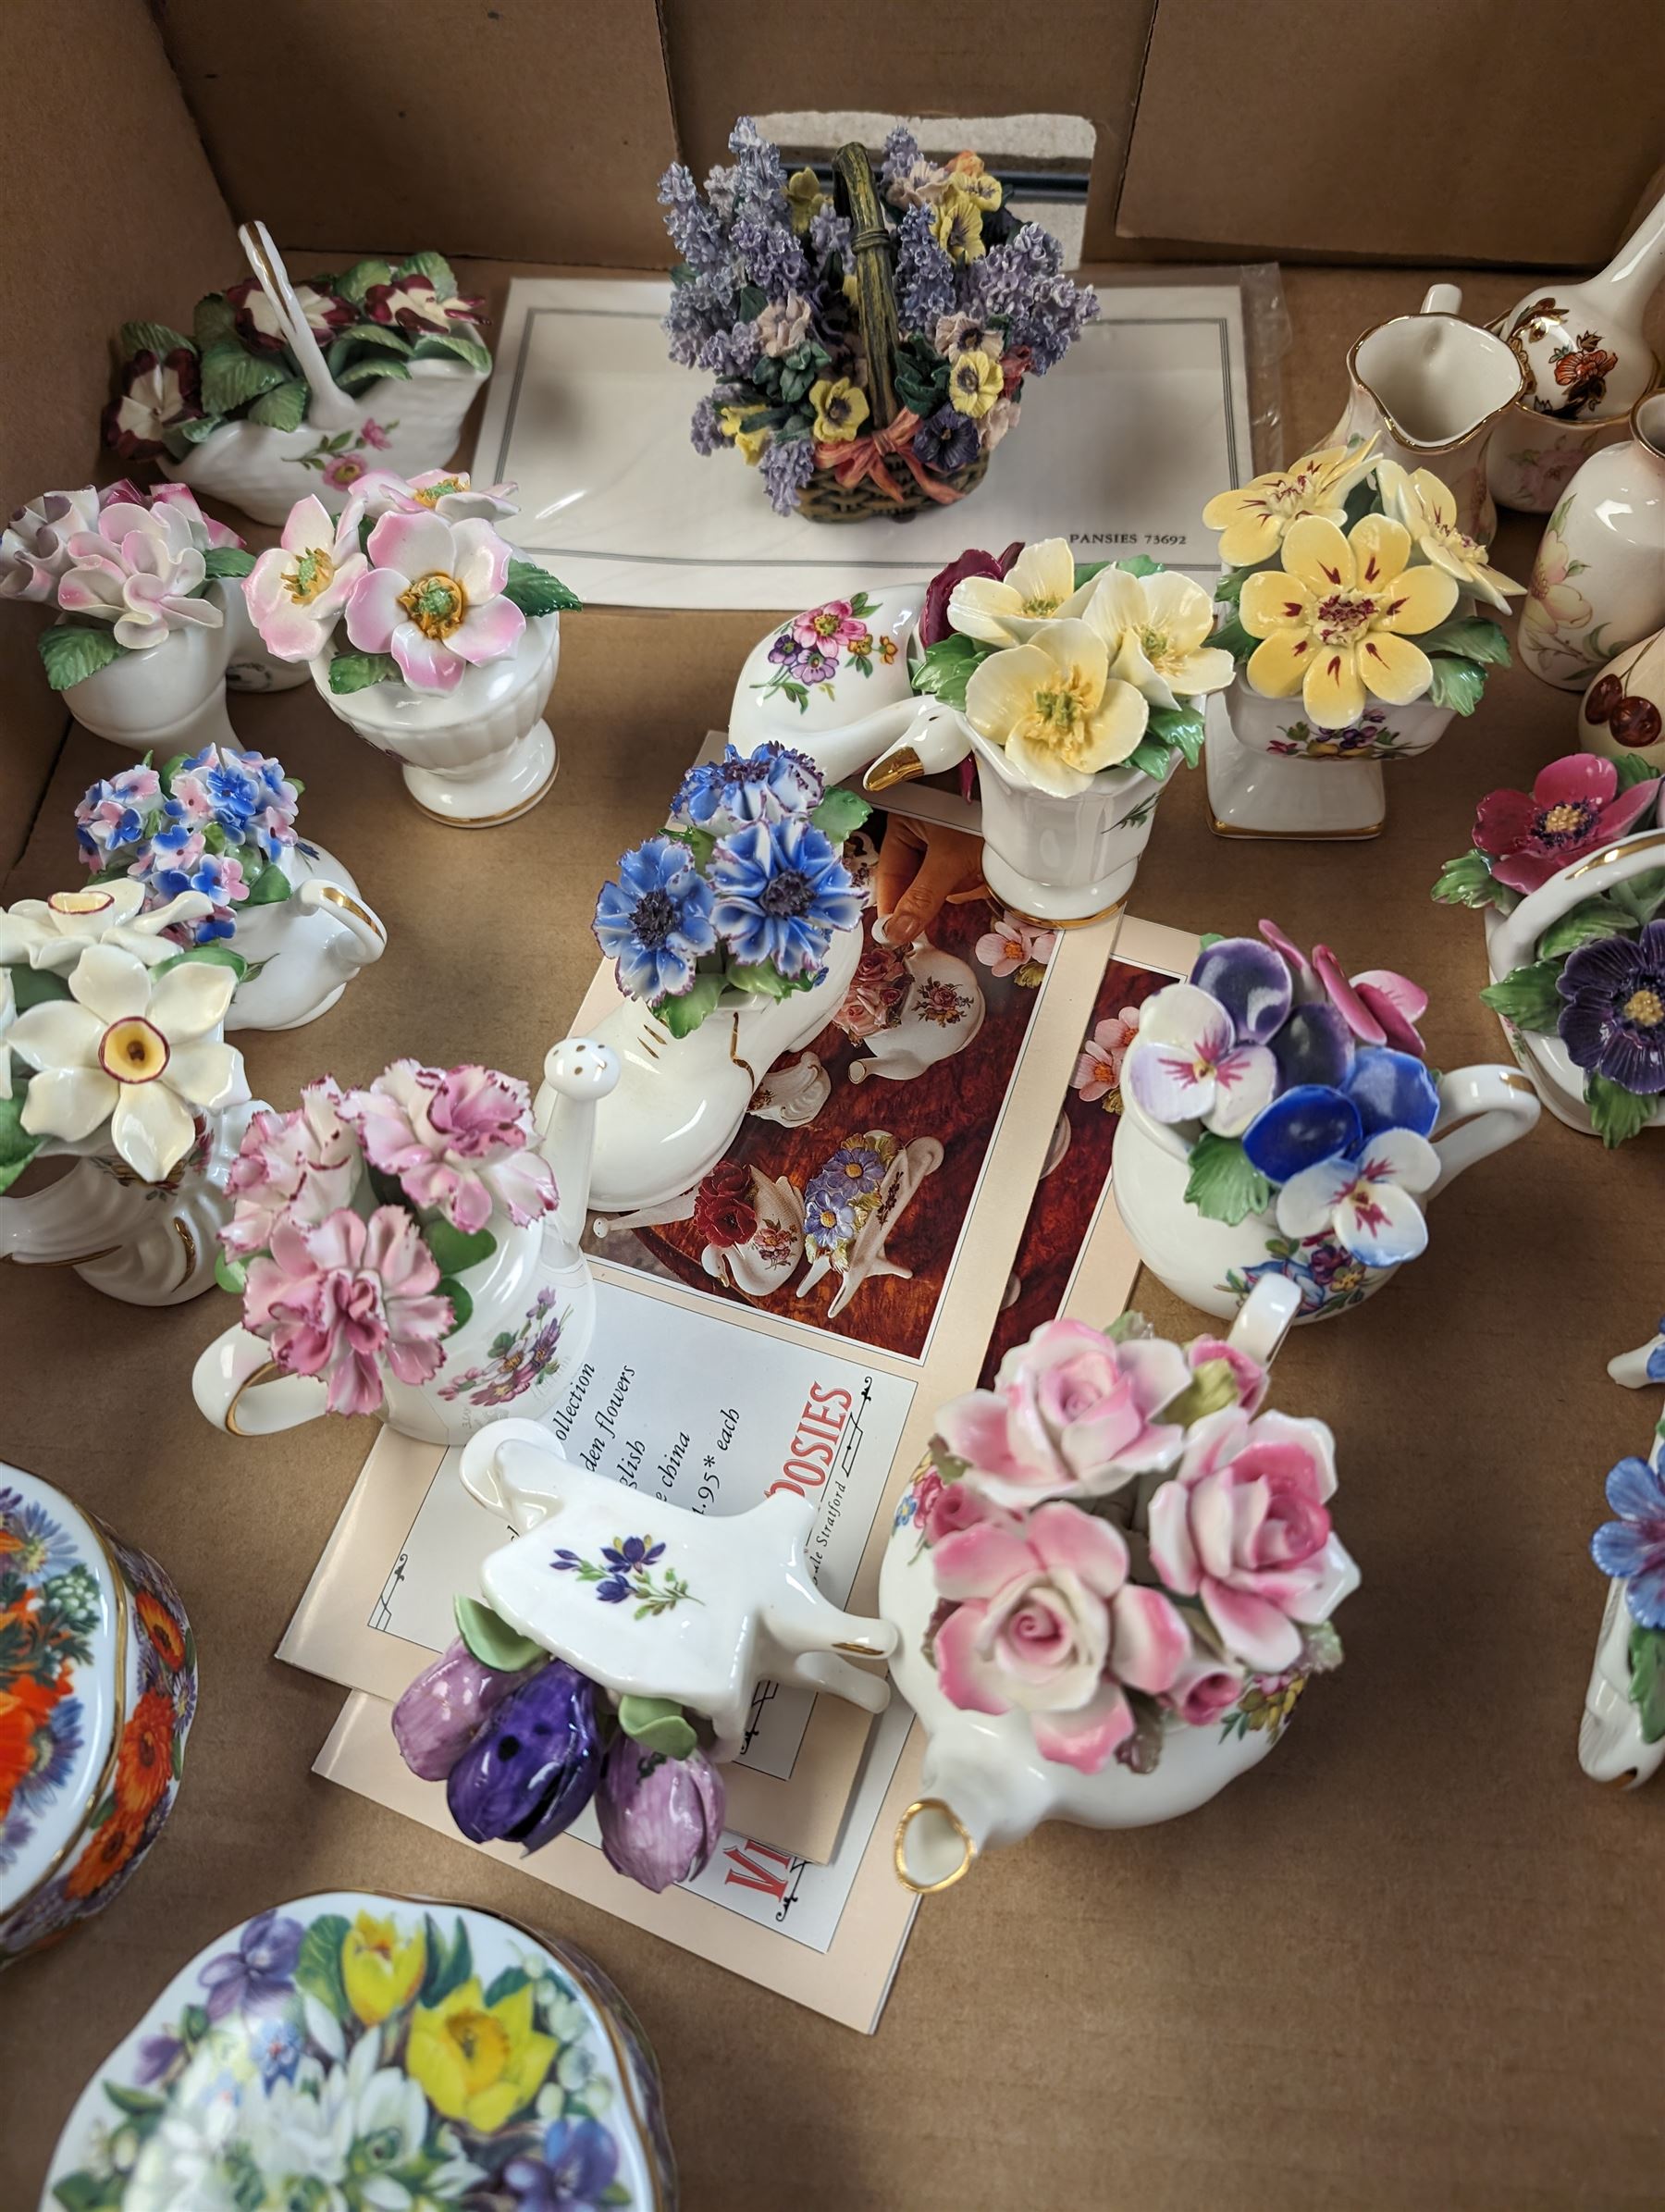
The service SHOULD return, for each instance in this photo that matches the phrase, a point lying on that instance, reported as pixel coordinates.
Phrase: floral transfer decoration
(1558, 621)
(625, 1572)
(517, 1359)
(819, 645)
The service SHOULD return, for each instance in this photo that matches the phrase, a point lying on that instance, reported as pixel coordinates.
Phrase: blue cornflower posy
(1633, 1547)
(780, 891)
(766, 786)
(655, 921)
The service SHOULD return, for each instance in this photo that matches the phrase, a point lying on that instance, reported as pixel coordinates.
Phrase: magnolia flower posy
(434, 597)
(1053, 707)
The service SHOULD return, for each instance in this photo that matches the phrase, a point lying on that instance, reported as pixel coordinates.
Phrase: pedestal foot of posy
(1048, 906)
(1252, 794)
(500, 789)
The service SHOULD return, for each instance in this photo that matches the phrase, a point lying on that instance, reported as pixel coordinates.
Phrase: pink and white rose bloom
(1204, 1690)
(433, 599)
(444, 491)
(141, 570)
(180, 500)
(1072, 1413)
(296, 590)
(1045, 1622)
(1190, 1067)
(34, 545)
(339, 1300)
(1243, 1526)
(460, 1139)
(1249, 1378)
(298, 1166)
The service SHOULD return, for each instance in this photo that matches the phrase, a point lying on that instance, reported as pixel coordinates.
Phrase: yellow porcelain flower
(956, 221)
(803, 198)
(1158, 629)
(749, 442)
(1252, 521)
(1053, 707)
(381, 1970)
(478, 2063)
(1429, 511)
(1039, 587)
(840, 407)
(968, 172)
(1337, 620)
(973, 383)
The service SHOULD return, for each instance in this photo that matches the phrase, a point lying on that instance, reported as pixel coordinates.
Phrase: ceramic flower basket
(1271, 773)
(427, 2053)
(478, 754)
(99, 1699)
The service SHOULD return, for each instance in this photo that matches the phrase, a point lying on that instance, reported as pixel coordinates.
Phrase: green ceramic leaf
(456, 1248)
(1180, 726)
(508, 1984)
(183, 436)
(1642, 894)
(945, 668)
(231, 1275)
(361, 276)
(72, 652)
(659, 1724)
(33, 986)
(1210, 937)
(762, 980)
(231, 378)
(462, 1303)
(1616, 1114)
(318, 1967)
(1467, 881)
(1528, 997)
(213, 322)
(492, 1641)
(358, 375)
(1592, 917)
(282, 408)
(438, 345)
(227, 560)
(1647, 1680)
(88, 2191)
(1140, 564)
(1127, 1327)
(1458, 683)
(534, 591)
(1471, 638)
(1211, 1389)
(270, 887)
(1224, 1183)
(357, 671)
(1634, 768)
(149, 337)
(701, 843)
(841, 813)
(434, 267)
(683, 1016)
(381, 335)
(1230, 586)
(1233, 639)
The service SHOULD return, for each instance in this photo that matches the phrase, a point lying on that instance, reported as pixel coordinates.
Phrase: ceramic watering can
(303, 951)
(1612, 1744)
(534, 1306)
(1432, 388)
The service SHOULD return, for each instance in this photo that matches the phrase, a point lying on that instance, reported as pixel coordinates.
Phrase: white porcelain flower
(444, 491)
(1053, 707)
(54, 933)
(141, 570)
(34, 547)
(296, 591)
(9, 1014)
(139, 1051)
(1428, 508)
(1158, 629)
(433, 598)
(1039, 586)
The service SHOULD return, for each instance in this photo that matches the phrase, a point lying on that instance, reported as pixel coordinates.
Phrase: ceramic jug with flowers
(409, 1250)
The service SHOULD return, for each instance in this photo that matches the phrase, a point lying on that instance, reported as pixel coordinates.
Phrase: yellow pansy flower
(1337, 619)
(749, 442)
(974, 383)
(840, 407)
(476, 2062)
(1053, 707)
(968, 172)
(956, 221)
(1428, 510)
(382, 1970)
(1252, 521)
(803, 198)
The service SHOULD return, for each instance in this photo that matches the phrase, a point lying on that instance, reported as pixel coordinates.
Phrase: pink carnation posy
(301, 1166)
(458, 1139)
(343, 1299)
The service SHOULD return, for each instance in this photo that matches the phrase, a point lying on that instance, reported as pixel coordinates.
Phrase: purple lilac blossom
(924, 273)
(695, 229)
(830, 233)
(1021, 281)
(788, 463)
(771, 253)
(901, 152)
(704, 428)
(731, 353)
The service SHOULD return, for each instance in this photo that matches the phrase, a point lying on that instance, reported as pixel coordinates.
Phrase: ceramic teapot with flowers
(406, 1250)
(1279, 1120)
(1113, 1577)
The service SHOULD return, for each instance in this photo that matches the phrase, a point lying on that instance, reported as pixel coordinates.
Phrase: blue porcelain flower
(766, 786)
(1310, 1123)
(1633, 1547)
(782, 891)
(1366, 1201)
(655, 921)
(579, 2164)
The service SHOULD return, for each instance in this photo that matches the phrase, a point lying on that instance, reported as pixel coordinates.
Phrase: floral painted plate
(352, 2052)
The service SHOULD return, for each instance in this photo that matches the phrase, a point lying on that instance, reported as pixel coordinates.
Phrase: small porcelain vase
(1581, 340)
(984, 1782)
(304, 950)
(1614, 1744)
(1271, 773)
(1511, 942)
(1215, 1266)
(144, 1243)
(725, 1603)
(166, 698)
(1061, 861)
(1532, 457)
(1622, 713)
(474, 756)
(98, 1688)
(533, 1309)
(1432, 388)
(332, 2046)
(1599, 584)
(680, 1100)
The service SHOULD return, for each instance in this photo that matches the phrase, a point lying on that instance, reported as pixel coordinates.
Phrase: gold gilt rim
(337, 897)
(1231, 829)
(1402, 436)
(268, 1371)
(486, 821)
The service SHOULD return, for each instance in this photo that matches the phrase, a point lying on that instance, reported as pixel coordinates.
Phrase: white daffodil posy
(1158, 629)
(1039, 586)
(141, 1051)
(54, 933)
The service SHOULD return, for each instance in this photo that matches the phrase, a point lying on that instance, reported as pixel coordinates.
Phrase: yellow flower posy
(1158, 629)
(1252, 521)
(840, 407)
(1428, 510)
(380, 1970)
(1053, 707)
(1337, 619)
(478, 2063)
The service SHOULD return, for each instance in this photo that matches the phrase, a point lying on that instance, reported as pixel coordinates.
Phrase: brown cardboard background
(1410, 1963)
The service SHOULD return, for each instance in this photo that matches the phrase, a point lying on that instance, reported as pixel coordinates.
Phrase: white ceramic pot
(415, 425)
(304, 950)
(1511, 942)
(1623, 713)
(1598, 582)
(145, 1244)
(1215, 1266)
(1060, 860)
(166, 698)
(1271, 773)
(478, 755)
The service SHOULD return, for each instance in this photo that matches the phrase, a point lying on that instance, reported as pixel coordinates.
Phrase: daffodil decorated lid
(377, 2054)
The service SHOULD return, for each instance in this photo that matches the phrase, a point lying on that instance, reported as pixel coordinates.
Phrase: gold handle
(268, 1371)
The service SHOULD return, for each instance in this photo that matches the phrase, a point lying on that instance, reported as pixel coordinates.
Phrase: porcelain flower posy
(1428, 508)
(1036, 588)
(304, 1166)
(1577, 805)
(1157, 628)
(1206, 1052)
(433, 597)
(1054, 709)
(54, 933)
(340, 1300)
(458, 1139)
(297, 589)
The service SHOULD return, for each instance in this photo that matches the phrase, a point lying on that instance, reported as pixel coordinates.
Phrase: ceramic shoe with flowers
(1112, 1577)
(111, 1053)
(284, 914)
(410, 1250)
(1277, 1119)
(734, 936)
(1621, 1734)
(352, 2049)
(98, 1686)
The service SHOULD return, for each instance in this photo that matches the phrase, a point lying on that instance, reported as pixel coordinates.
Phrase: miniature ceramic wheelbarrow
(716, 1606)
(853, 1202)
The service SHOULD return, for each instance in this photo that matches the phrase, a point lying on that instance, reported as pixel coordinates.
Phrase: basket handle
(856, 195)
